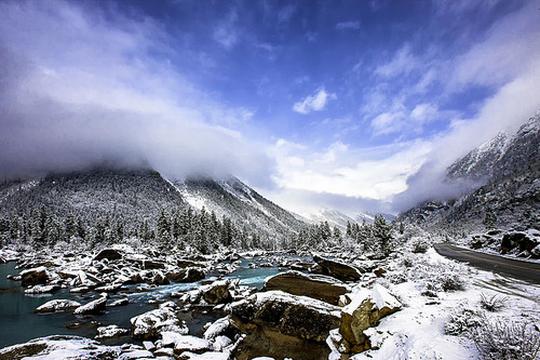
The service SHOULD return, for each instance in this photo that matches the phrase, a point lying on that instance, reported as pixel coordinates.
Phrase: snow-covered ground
(418, 330)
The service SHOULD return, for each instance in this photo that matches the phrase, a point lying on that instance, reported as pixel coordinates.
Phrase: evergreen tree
(382, 232)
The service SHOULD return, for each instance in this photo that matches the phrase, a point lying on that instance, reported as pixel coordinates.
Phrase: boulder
(119, 302)
(519, 241)
(365, 308)
(193, 274)
(60, 347)
(337, 269)
(35, 276)
(319, 287)
(57, 305)
(93, 307)
(182, 343)
(42, 289)
(111, 331)
(217, 293)
(283, 325)
(148, 326)
(109, 254)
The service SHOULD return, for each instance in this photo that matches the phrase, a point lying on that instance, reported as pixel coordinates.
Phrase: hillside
(508, 169)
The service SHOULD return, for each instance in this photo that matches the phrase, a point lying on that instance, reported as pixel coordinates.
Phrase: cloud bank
(77, 89)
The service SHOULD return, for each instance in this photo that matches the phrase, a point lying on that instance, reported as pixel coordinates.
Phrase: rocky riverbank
(312, 306)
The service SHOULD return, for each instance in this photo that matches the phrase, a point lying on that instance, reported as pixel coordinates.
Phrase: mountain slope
(230, 197)
(132, 197)
(509, 167)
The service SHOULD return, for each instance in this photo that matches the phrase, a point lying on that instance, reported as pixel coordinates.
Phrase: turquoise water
(18, 322)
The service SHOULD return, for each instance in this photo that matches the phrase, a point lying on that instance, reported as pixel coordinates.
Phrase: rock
(217, 292)
(134, 354)
(60, 347)
(517, 240)
(93, 307)
(535, 252)
(57, 306)
(35, 276)
(320, 287)
(153, 264)
(212, 355)
(365, 309)
(338, 269)
(119, 302)
(111, 331)
(221, 342)
(217, 328)
(149, 325)
(109, 254)
(182, 343)
(148, 345)
(193, 274)
(284, 325)
(42, 289)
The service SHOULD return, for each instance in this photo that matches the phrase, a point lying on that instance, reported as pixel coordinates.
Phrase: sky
(352, 105)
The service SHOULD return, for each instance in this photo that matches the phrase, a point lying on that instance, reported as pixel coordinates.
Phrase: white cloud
(315, 102)
(98, 92)
(372, 173)
(403, 62)
(348, 25)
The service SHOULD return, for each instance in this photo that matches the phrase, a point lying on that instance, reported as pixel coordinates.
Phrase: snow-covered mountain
(339, 219)
(138, 195)
(507, 169)
(231, 197)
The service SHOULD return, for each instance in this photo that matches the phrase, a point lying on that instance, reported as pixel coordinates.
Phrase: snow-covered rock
(152, 323)
(281, 323)
(182, 343)
(217, 293)
(57, 305)
(338, 269)
(110, 331)
(41, 289)
(93, 307)
(320, 287)
(365, 309)
(34, 276)
(60, 347)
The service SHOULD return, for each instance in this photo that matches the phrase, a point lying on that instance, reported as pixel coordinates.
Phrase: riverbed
(19, 323)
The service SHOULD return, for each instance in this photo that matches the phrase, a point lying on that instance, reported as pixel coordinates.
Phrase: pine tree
(382, 232)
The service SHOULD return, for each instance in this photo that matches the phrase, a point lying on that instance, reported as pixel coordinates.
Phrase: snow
(58, 305)
(184, 342)
(417, 331)
(378, 295)
(280, 296)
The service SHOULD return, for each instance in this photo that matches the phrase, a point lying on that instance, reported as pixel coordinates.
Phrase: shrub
(420, 247)
(462, 321)
(506, 340)
(493, 303)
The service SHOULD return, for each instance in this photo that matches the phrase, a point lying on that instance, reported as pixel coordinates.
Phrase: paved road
(522, 270)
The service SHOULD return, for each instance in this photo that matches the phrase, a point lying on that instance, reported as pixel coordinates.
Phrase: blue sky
(315, 103)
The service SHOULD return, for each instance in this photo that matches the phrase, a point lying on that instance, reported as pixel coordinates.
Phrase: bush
(420, 247)
(493, 303)
(506, 340)
(462, 322)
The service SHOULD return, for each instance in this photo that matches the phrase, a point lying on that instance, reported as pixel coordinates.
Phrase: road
(522, 270)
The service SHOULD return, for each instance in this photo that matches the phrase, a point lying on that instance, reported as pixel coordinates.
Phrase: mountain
(339, 219)
(133, 198)
(333, 217)
(230, 197)
(507, 171)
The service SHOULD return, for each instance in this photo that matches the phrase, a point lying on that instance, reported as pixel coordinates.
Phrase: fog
(70, 100)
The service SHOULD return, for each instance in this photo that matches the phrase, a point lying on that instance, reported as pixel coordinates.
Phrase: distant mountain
(507, 171)
(339, 219)
(334, 218)
(131, 197)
